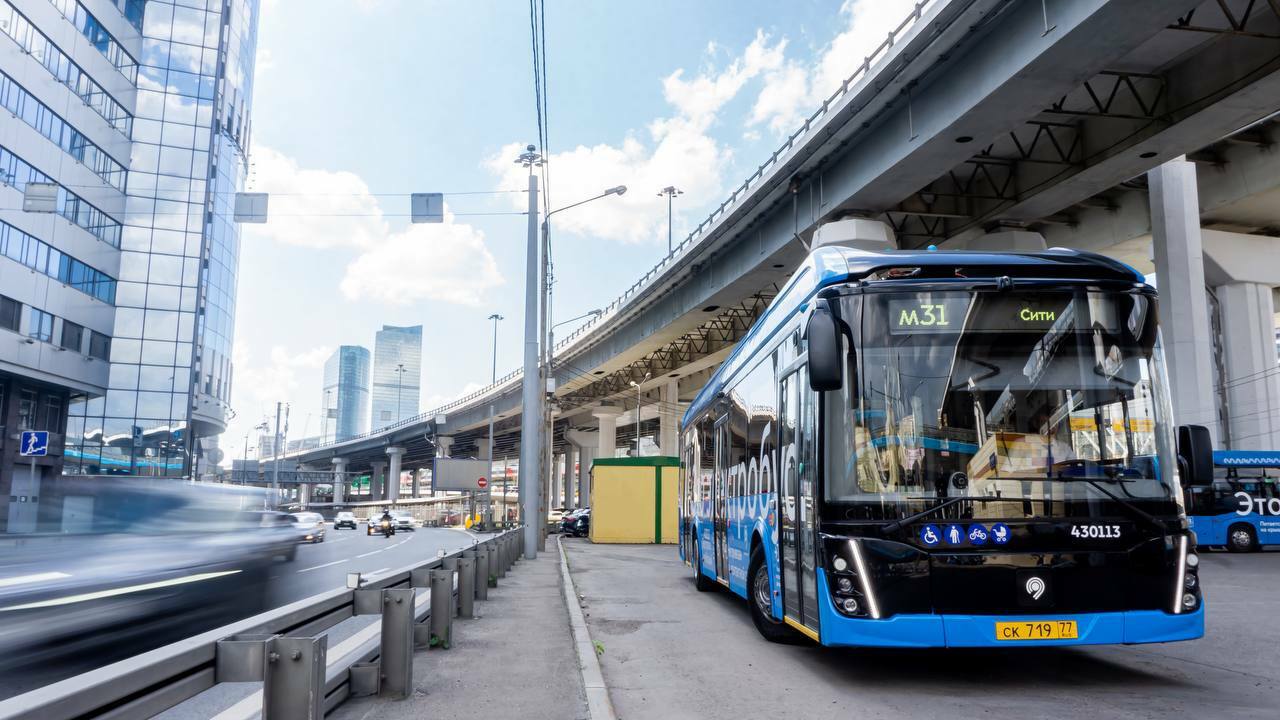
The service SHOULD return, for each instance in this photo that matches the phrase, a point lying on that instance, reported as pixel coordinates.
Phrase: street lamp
(637, 385)
(324, 431)
(494, 381)
(670, 191)
(539, 460)
(399, 371)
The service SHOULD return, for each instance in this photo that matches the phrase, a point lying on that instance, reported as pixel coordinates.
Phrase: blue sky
(358, 103)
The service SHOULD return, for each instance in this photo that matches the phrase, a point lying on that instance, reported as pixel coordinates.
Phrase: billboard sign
(459, 474)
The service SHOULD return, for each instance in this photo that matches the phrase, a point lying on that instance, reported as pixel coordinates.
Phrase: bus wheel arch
(1241, 538)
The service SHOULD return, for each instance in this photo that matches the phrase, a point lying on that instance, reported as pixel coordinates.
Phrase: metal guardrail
(853, 83)
(284, 649)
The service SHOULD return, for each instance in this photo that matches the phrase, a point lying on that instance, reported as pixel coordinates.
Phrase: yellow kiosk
(633, 500)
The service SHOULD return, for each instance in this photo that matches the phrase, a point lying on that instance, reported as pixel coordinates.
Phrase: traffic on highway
(153, 562)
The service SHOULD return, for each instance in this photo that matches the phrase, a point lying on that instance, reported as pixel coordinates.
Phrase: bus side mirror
(826, 366)
(1195, 454)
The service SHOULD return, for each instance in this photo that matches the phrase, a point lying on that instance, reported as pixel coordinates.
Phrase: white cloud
(793, 90)
(323, 209)
(461, 268)
(677, 150)
(258, 385)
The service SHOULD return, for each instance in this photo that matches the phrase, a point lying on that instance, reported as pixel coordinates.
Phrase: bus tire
(700, 581)
(1240, 538)
(759, 591)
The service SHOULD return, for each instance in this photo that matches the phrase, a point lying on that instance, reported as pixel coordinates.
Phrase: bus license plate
(1038, 630)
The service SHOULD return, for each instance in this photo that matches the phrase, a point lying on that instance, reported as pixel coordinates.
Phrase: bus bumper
(1109, 628)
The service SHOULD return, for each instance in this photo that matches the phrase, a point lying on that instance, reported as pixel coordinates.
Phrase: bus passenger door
(798, 537)
(719, 503)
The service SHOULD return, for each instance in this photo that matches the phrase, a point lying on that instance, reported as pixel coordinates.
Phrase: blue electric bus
(947, 449)
(1240, 509)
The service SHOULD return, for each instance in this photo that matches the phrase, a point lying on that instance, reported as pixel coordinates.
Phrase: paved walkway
(516, 660)
(670, 652)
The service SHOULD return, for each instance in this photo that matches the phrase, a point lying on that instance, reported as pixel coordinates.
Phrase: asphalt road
(316, 568)
(670, 652)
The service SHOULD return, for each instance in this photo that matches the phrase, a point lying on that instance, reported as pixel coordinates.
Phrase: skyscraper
(179, 108)
(346, 393)
(397, 372)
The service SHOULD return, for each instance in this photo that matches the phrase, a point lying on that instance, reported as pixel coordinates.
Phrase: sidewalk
(516, 659)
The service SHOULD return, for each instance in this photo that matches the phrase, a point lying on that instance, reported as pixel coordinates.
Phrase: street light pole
(531, 418)
(639, 400)
(670, 191)
(493, 381)
(400, 371)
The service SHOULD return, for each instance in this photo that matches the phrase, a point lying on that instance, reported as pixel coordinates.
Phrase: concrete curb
(599, 706)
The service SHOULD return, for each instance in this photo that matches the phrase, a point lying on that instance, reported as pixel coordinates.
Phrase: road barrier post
(502, 553)
(482, 572)
(442, 605)
(396, 653)
(451, 564)
(291, 670)
(467, 585)
(492, 553)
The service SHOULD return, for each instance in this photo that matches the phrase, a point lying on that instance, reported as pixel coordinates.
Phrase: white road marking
(70, 599)
(27, 579)
(317, 567)
(378, 571)
(375, 552)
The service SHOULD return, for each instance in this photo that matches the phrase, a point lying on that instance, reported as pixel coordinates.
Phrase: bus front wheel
(1240, 539)
(760, 599)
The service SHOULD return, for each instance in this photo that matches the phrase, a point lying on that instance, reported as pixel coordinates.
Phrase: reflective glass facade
(346, 393)
(397, 369)
(170, 377)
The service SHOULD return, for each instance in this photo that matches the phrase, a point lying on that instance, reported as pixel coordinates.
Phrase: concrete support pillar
(377, 479)
(608, 440)
(585, 443)
(669, 413)
(1249, 360)
(1184, 310)
(393, 475)
(555, 481)
(443, 444)
(304, 494)
(570, 475)
(339, 480)
(416, 490)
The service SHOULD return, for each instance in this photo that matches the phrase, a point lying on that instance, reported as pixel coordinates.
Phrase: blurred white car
(310, 526)
(344, 519)
(404, 521)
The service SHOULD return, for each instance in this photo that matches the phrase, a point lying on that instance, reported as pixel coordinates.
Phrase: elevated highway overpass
(1113, 125)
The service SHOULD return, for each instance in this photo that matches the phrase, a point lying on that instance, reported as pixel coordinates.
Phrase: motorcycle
(387, 528)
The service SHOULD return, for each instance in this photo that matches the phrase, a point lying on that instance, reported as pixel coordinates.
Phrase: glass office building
(346, 393)
(397, 372)
(170, 375)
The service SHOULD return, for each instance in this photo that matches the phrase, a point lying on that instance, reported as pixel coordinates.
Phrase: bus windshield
(1044, 395)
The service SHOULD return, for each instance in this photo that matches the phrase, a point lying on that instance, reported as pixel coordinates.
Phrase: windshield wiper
(897, 524)
(1096, 483)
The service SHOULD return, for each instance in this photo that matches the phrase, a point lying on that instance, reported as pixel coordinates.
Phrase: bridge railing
(285, 649)
(856, 81)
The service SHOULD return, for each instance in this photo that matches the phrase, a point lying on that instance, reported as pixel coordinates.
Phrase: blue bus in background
(947, 449)
(1240, 509)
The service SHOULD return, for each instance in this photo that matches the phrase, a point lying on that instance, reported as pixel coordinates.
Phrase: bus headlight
(1189, 601)
(1190, 582)
(849, 605)
(1193, 560)
(844, 584)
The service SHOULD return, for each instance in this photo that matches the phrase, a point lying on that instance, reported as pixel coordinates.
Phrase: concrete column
(417, 483)
(339, 480)
(443, 444)
(1184, 310)
(393, 475)
(556, 481)
(1250, 364)
(570, 475)
(377, 476)
(608, 439)
(304, 494)
(669, 413)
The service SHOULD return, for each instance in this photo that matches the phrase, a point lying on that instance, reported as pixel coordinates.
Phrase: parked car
(554, 518)
(309, 525)
(577, 523)
(344, 519)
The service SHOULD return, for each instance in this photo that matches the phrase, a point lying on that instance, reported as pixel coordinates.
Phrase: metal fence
(284, 649)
